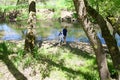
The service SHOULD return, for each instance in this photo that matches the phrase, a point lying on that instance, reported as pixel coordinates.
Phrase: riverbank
(82, 46)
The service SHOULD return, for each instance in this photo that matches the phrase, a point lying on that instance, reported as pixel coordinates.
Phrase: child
(60, 37)
(65, 34)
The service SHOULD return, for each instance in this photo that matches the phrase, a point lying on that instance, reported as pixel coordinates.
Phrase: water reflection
(8, 33)
(101, 38)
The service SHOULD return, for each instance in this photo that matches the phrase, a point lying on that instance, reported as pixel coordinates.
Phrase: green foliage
(60, 4)
(113, 71)
(57, 14)
(69, 4)
(22, 6)
(8, 8)
(3, 48)
(40, 16)
(28, 61)
(23, 16)
(75, 15)
(6, 48)
(106, 6)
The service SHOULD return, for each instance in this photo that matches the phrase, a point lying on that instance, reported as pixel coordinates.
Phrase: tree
(109, 39)
(95, 42)
(30, 35)
(32, 6)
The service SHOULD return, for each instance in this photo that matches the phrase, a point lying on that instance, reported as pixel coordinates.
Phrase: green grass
(57, 63)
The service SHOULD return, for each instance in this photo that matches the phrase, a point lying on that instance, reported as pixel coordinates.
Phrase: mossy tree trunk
(109, 39)
(30, 35)
(95, 42)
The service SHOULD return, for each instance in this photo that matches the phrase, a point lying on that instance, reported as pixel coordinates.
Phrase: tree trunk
(30, 35)
(32, 6)
(18, 2)
(95, 42)
(109, 39)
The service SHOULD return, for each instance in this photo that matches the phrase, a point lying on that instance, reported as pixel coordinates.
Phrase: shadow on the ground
(54, 45)
(77, 51)
(74, 50)
(71, 72)
(60, 64)
(4, 57)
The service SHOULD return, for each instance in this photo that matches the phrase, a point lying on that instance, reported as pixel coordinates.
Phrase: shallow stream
(46, 30)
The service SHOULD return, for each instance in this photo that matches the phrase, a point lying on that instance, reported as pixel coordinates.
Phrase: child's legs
(64, 39)
(60, 39)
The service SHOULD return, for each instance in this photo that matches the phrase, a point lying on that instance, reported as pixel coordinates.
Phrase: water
(71, 35)
(10, 32)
